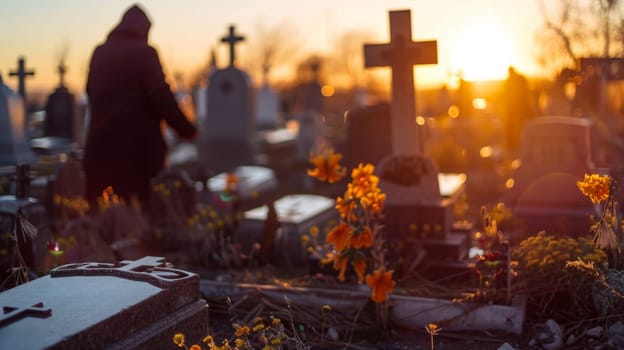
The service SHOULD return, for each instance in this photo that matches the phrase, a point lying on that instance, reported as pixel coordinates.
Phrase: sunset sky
(481, 37)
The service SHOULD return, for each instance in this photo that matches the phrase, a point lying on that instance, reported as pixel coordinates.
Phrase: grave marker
(14, 148)
(227, 138)
(21, 73)
(130, 305)
(60, 111)
(401, 54)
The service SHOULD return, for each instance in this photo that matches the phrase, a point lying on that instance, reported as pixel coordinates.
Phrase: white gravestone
(253, 181)
(227, 138)
(14, 148)
(267, 108)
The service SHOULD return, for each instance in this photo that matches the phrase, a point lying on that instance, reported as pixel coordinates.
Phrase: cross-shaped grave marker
(21, 73)
(401, 54)
(62, 70)
(232, 39)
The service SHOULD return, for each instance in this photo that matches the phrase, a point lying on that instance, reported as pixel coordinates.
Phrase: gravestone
(227, 138)
(14, 147)
(267, 106)
(296, 214)
(555, 154)
(61, 111)
(130, 305)
(416, 210)
(255, 182)
(369, 120)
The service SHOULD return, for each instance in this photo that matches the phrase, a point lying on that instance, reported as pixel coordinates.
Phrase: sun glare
(481, 51)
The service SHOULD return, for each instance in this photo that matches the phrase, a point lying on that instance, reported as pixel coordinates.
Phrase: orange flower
(363, 179)
(374, 200)
(328, 166)
(345, 206)
(195, 347)
(339, 236)
(359, 266)
(340, 264)
(363, 239)
(381, 284)
(596, 187)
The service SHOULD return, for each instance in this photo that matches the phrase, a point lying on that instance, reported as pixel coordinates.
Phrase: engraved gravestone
(227, 138)
(129, 305)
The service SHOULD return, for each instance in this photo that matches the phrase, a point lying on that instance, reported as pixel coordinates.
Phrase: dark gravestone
(555, 154)
(370, 120)
(60, 114)
(131, 305)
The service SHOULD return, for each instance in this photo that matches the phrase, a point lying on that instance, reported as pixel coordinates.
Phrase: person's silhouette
(129, 102)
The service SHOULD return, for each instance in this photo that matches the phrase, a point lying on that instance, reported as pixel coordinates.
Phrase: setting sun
(482, 51)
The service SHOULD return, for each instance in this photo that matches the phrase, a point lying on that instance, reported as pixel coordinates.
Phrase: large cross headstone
(14, 148)
(419, 200)
(227, 137)
(401, 54)
(130, 305)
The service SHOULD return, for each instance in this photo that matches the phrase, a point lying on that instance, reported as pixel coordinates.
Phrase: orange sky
(480, 37)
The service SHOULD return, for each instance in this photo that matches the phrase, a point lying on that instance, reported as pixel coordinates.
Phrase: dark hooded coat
(129, 99)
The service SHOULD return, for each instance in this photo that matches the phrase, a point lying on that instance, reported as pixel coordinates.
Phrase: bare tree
(579, 28)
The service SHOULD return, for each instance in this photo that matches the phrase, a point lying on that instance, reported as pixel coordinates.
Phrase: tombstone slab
(132, 304)
(296, 214)
(254, 182)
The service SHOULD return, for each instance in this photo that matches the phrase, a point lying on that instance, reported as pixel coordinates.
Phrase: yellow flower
(327, 166)
(208, 340)
(305, 239)
(258, 327)
(195, 347)
(595, 186)
(433, 329)
(363, 179)
(381, 283)
(339, 236)
(345, 206)
(314, 231)
(242, 331)
(178, 339)
(276, 340)
(326, 308)
(239, 343)
(275, 322)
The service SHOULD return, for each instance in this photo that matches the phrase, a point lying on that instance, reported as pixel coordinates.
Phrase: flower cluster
(257, 335)
(596, 187)
(543, 253)
(76, 205)
(356, 240)
(327, 166)
(109, 199)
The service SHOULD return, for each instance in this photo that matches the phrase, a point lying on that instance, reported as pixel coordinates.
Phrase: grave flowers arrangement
(356, 241)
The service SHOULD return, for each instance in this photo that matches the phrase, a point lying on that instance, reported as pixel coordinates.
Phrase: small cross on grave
(12, 313)
(143, 264)
(21, 73)
(401, 54)
(62, 70)
(232, 40)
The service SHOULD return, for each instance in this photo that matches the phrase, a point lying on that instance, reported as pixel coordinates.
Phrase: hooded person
(129, 102)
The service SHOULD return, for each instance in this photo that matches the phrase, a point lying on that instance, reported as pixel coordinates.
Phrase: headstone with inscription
(129, 305)
(227, 137)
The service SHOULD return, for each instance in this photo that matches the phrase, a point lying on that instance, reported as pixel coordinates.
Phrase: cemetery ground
(271, 287)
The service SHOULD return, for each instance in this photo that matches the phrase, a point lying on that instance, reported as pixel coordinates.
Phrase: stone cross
(21, 73)
(401, 54)
(232, 39)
